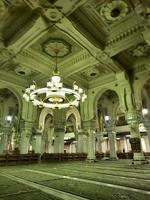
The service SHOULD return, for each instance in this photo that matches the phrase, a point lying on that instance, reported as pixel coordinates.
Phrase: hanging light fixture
(54, 95)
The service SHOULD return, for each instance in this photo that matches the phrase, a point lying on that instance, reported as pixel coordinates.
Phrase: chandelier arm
(67, 99)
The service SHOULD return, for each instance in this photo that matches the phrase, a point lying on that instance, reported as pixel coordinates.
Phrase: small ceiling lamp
(54, 95)
(144, 111)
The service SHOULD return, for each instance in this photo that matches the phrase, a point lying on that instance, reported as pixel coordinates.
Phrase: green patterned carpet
(97, 181)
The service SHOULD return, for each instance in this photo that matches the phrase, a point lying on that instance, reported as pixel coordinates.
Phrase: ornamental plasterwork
(114, 11)
(142, 50)
(2, 8)
(51, 45)
(93, 73)
(23, 71)
(53, 14)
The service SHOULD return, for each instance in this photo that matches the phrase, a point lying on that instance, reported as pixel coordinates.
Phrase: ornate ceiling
(96, 38)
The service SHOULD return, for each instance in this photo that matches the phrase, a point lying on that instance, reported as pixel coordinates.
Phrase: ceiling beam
(67, 27)
(13, 79)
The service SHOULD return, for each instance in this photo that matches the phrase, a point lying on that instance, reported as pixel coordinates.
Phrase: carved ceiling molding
(140, 69)
(69, 67)
(94, 71)
(12, 79)
(2, 8)
(91, 73)
(37, 57)
(23, 71)
(108, 80)
(141, 50)
(148, 67)
(114, 11)
(52, 45)
(141, 7)
(141, 63)
(6, 58)
(134, 29)
(21, 25)
(101, 56)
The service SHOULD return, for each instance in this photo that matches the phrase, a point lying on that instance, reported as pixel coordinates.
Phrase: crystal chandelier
(54, 95)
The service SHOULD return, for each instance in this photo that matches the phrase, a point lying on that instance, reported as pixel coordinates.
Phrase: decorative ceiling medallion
(52, 44)
(142, 50)
(22, 71)
(114, 11)
(53, 14)
(91, 73)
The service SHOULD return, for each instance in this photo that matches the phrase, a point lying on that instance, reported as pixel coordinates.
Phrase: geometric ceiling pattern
(96, 39)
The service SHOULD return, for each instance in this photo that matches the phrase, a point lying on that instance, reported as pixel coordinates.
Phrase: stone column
(112, 139)
(50, 133)
(89, 127)
(43, 142)
(146, 123)
(59, 141)
(99, 137)
(28, 114)
(26, 131)
(135, 140)
(59, 130)
(38, 140)
(82, 142)
(4, 139)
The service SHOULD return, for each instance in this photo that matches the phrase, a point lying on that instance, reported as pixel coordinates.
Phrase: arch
(76, 113)
(17, 95)
(115, 109)
(99, 94)
(14, 91)
(138, 89)
(43, 115)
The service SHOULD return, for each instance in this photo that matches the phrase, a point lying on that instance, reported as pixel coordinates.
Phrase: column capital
(38, 131)
(5, 129)
(60, 128)
(26, 126)
(90, 124)
(110, 125)
(133, 117)
(81, 132)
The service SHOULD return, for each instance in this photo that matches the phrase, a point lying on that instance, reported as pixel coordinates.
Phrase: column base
(113, 158)
(91, 159)
(139, 159)
(139, 162)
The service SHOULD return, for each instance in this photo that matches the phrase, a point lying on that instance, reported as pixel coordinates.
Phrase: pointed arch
(43, 115)
(76, 113)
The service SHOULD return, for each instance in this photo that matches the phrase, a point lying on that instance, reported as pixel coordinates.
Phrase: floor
(103, 180)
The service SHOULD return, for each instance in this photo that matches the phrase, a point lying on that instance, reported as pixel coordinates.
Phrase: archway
(48, 135)
(9, 120)
(106, 111)
(43, 115)
(73, 125)
(70, 137)
(42, 139)
(145, 122)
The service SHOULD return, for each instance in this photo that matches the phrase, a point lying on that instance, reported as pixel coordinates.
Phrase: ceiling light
(107, 118)
(9, 118)
(54, 95)
(144, 111)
